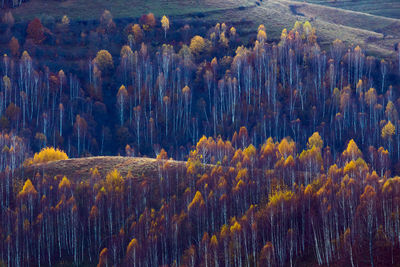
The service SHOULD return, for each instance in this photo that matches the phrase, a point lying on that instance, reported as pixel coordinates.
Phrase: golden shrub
(47, 154)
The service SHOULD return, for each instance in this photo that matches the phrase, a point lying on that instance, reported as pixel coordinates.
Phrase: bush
(47, 154)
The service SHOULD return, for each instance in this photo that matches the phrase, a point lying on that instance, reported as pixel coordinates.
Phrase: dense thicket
(305, 178)
(271, 206)
(151, 95)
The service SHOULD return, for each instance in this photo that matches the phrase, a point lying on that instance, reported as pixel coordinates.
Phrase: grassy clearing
(89, 10)
(79, 168)
(385, 8)
(376, 34)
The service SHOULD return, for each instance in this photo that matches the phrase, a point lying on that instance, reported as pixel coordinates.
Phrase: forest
(289, 149)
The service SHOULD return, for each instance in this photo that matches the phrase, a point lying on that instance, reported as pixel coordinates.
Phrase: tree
(80, 127)
(166, 100)
(46, 155)
(243, 137)
(8, 18)
(286, 147)
(391, 111)
(232, 33)
(137, 33)
(122, 96)
(64, 24)
(103, 258)
(35, 31)
(61, 77)
(148, 21)
(224, 42)
(106, 21)
(165, 25)
(104, 61)
(388, 132)
(315, 140)
(398, 55)
(14, 47)
(352, 151)
(65, 21)
(61, 110)
(196, 208)
(371, 98)
(267, 255)
(261, 35)
(197, 44)
(132, 252)
(28, 195)
(383, 72)
(367, 211)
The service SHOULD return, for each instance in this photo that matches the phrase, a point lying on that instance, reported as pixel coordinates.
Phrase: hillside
(192, 206)
(199, 133)
(377, 32)
(79, 168)
(385, 8)
(91, 10)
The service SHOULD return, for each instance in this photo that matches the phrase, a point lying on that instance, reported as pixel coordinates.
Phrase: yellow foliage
(308, 191)
(370, 97)
(224, 231)
(242, 174)
(360, 163)
(132, 245)
(46, 155)
(137, 32)
(350, 167)
(27, 189)
(186, 90)
(65, 20)
(268, 147)
(233, 31)
(223, 40)
(297, 26)
(197, 44)
(250, 151)
(283, 36)
(359, 84)
(289, 162)
(315, 140)
(165, 23)
(103, 258)
(162, 155)
(114, 181)
(239, 186)
(104, 60)
(280, 195)
(65, 183)
(235, 228)
(214, 241)
(352, 150)
(197, 201)
(261, 36)
(388, 130)
(390, 185)
(126, 51)
(122, 91)
(286, 147)
(307, 28)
